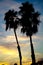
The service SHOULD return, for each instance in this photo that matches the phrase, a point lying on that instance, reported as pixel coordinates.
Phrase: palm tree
(29, 22)
(12, 22)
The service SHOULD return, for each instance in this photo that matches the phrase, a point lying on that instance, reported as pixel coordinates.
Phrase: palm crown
(29, 19)
(11, 19)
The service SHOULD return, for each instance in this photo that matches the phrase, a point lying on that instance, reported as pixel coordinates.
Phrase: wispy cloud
(8, 4)
(37, 37)
(10, 41)
(11, 38)
(22, 39)
(7, 54)
(38, 56)
(41, 18)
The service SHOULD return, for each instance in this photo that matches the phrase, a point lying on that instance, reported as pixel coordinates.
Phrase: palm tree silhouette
(12, 22)
(29, 22)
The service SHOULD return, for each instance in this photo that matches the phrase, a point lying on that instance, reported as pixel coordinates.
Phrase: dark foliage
(29, 20)
(11, 19)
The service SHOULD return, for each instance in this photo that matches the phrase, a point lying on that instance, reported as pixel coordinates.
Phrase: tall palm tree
(29, 22)
(12, 22)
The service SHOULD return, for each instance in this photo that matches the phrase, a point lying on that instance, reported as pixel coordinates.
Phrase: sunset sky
(8, 47)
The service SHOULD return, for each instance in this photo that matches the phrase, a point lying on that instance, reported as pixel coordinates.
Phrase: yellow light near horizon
(4, 63)
(7, 51)
(7, 63)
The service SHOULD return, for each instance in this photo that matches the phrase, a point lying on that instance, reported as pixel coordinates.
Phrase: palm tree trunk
(20, 56)
(32, 51)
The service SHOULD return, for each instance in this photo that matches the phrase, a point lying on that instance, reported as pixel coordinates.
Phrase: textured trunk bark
(32, 51)
(20, 56)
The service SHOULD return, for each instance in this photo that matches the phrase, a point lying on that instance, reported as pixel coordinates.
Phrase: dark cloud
(10, 45)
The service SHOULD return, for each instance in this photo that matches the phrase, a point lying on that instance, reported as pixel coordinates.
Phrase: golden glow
(4, 63)
(10, 54)
(7, 51)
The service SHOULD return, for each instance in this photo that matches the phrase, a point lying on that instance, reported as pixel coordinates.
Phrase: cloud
(1, 33)
(11, 38)
(38, 56)
(9, 41)
(8, 4)
(41, 18)
(37, 37)
(11, 55)
(3, 26)
(10, 48)
(7, 54)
